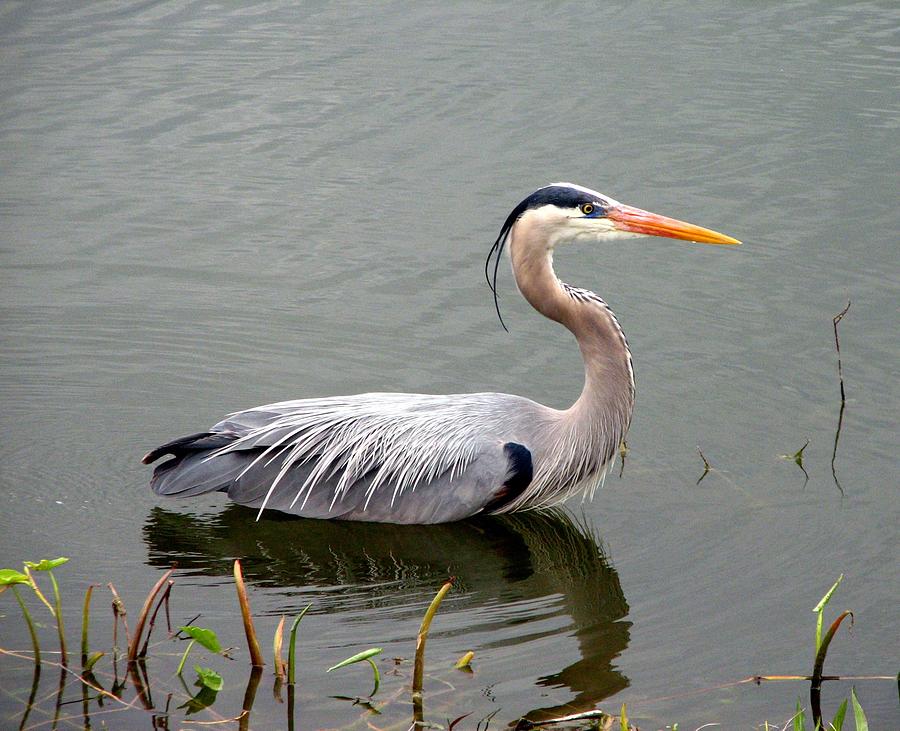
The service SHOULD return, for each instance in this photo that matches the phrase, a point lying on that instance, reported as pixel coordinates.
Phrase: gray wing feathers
(427, 458)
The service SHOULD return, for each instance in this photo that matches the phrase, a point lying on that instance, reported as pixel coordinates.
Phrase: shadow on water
(498, 561)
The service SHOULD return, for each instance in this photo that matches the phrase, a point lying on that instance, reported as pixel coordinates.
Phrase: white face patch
(570, 225)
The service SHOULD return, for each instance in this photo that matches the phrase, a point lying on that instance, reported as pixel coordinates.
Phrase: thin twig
(837, 434)
(837, 344)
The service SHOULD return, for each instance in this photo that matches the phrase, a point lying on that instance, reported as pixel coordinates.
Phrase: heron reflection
(501, 562)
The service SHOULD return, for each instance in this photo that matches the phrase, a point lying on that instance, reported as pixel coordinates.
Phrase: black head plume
(561, 194)
(496, 253)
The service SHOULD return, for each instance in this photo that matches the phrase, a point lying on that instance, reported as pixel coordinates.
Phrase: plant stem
(376, 675)
(37, 590)
(419, 667)
(292, 646)
(64, 661)
(85, 620)
(34, 638)
(184, 657)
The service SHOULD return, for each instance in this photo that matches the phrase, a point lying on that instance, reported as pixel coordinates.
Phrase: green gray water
(206, 207)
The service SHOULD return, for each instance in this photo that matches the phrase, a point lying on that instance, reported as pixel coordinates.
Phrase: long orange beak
(636, 220)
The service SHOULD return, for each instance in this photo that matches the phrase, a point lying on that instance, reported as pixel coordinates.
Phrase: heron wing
(406, 458)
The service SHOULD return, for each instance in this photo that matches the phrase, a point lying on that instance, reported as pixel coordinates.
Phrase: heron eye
(587, 208)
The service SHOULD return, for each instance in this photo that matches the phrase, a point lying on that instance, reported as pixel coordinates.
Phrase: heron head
(565, 212)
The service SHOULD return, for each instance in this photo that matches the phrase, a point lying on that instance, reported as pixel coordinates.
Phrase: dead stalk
(142, 617)
(118, 607)
(276, 650)
(164, 599)
(256, 657)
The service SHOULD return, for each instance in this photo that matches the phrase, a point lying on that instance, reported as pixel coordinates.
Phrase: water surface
(212, 206)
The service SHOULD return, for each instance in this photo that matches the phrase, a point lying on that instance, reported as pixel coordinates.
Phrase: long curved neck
(609, 380)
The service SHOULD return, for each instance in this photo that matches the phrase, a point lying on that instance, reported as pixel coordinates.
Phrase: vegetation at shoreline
(110, 694)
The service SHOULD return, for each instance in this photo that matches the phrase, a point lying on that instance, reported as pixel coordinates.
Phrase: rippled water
(211, 206)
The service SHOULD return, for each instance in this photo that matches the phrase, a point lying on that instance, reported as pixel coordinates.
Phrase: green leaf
(358, 657)
(820, 607)
(205, 637)
(825, 599)
(46, 564)
(11, 576)
(208, 678)
(838, 723)
(799, 718)
(862, 724)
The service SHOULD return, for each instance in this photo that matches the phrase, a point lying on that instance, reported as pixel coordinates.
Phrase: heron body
(417, 458)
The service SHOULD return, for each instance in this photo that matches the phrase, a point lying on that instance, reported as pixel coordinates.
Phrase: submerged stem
(60, 629)
(184, 657)
(34, 638)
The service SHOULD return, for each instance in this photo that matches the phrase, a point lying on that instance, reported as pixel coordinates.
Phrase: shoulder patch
(518, 476)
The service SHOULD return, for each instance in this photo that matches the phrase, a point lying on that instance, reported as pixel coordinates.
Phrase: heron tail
(189, 472)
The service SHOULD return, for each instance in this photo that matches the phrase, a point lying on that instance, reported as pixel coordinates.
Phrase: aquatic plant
(210, 682)
(364, 656)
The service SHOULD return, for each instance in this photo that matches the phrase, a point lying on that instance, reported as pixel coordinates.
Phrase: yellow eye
(587, 208)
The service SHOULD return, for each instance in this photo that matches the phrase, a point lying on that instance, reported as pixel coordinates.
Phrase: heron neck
(608, 383)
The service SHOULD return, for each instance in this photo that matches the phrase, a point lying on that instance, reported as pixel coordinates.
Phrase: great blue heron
(417, 458)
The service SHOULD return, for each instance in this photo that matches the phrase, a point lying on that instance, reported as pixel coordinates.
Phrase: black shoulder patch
(521, 471)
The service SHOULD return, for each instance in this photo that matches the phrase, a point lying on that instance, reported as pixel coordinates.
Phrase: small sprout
(364, 656)
(820, 608)
(797, 458)
(292, 645)
(623, 718)
(205, 637)
(799, 718)
(422, 637)
(838, 722)
(706, 466)
(862, 723)
(465, 662)
(92, 660)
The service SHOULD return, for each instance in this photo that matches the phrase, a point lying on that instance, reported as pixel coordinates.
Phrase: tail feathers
(198, 442)
(189, 472)
(193, 474)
